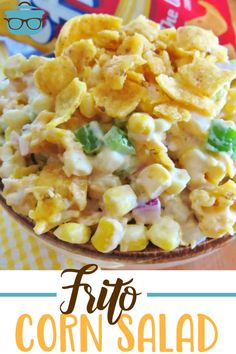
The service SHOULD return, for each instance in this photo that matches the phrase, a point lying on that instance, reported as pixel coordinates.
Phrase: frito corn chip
(171, 112)
(165, 38)
(215, 209)
(220, 53)
(108, 39)
(135, 44)
(181, 94)
(205, 78)
(92, 76)
(68, 101)
(196, 38)
(83, 27)
(136, 77)
(144, 26)
(55, 75)
(158, 64)
(182, 55)
(115, 70)
(118, 103)
(72, 188)
(81, 53)
(152, 97)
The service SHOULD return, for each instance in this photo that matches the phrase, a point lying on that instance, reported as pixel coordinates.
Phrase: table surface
(223, 259)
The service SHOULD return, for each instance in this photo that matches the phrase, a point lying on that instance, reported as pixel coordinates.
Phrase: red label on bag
(208, 14)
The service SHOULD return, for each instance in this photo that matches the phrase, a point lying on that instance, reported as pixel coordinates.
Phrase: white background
(221, 310)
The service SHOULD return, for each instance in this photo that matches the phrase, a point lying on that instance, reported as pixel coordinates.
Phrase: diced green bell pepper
(118, 141)
(222, 138)
(90, 136)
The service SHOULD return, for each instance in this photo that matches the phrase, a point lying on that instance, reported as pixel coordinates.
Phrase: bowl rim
(151, 255)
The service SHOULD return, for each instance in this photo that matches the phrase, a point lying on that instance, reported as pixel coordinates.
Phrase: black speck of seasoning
(33, 159)
(131, 222)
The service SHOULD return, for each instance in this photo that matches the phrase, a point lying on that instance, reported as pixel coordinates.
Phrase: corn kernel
(7, 133)
(163, 158)
(119, 200)
(180, 179)
(162, 125)
(14, 66)
(116, 160)
(135, 238)
(153, 180)
(177, 208)
(47, 214)
(87, 106)
(108, 235)
(15, 118)
(166, 233)
(202, 167)
(48, 209)
(73, 232)
(20, 172)
(141, 124)
(98, 184)
(76, 162)
(42, 102)
(230, 106)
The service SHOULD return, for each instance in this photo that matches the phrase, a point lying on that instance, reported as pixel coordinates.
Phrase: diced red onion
(148, 213)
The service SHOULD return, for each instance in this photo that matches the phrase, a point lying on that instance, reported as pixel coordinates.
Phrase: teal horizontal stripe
(28, 294)
(191, 294)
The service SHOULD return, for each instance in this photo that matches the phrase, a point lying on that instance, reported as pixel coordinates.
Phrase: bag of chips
(219, 16)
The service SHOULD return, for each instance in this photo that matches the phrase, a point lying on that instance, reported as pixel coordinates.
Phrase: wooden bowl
(153, 257)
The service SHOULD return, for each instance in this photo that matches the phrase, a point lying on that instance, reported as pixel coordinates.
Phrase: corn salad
(127, 137)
